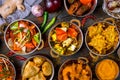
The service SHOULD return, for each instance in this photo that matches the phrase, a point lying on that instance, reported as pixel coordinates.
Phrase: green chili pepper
(36, 37)
(49, 25)
(14, 26)
(45, 20)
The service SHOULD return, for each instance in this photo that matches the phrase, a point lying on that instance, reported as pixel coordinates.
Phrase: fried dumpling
(30, 70)
(39, 76)
(38, 61)
(47, 69)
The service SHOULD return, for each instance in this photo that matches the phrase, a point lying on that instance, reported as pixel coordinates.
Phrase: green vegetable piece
(71, 1)
(49, 25)
(37, 38)
(14, 26)
(17, 31)
(45, 20)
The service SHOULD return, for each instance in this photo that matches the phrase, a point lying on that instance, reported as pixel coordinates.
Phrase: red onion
(52, 5)
(37, 10)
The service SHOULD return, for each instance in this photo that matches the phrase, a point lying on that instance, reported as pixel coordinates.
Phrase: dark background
(83, 52)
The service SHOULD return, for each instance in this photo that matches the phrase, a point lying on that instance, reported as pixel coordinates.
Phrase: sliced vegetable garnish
(72, 32)
(14, 26)
(37, 37)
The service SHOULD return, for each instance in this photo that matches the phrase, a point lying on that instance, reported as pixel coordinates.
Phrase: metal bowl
(110, 13)
(20, 53)
(108, 52)
(80, 38)
(70, 62)
(48, 60)
(88, 13)
(6, 59)
(117, 68)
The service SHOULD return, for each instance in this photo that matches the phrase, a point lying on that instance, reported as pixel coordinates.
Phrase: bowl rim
(11, 65)
(81, 34)
(47, 59)
(90, 12)
(104, 60)
(106, 53)
(69, 60)
(15, 51)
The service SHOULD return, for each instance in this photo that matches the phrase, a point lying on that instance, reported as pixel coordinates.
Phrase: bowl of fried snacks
(102, 38)
(107, 69)
(80, 8)
(77, 69)
(37, 68)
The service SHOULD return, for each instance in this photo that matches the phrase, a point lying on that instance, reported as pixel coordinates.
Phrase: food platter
(18, 61)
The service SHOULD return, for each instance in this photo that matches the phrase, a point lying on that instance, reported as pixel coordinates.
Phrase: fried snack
(39, 76)
(99, 43)
(94, 30)
(73, 7)
(103, 37)
(76, 71)
(107, 70)
(47, 69)
(111, 35)
(38, 61)
(82, 10)
(30, 70)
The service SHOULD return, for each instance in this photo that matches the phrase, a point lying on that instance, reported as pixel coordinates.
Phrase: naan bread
(30, 70)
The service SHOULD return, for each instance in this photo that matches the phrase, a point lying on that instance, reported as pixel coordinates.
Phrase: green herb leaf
(37, 37)
(14, 26)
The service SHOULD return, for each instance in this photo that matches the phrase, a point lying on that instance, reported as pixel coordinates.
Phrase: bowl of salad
(7, 69)
(22, 37)
(65, 38)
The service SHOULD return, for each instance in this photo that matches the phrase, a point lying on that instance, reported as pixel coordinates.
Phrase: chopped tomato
(29, 45)
(16, 48)
(0, 68)
(62, 37)
(85, 2)
(34, 42)
(72, 32)
(59, 31)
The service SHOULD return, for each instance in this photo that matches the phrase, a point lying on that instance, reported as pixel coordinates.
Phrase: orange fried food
(76, 71)
(98, 42)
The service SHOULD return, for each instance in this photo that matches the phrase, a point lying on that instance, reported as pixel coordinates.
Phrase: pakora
(103, 37)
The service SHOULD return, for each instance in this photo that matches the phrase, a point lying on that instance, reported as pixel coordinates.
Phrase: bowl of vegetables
(7, 69)
(65, 38)
(37, 68)
(80, 8)
(22, 37)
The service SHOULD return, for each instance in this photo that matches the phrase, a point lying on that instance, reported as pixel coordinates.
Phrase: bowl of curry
(7, 69)
(75, 69)
(22, 36)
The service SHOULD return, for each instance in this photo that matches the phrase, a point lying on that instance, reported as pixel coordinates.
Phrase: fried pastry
(47, 69)
(38, 61)
(99, 43)
(30, 70)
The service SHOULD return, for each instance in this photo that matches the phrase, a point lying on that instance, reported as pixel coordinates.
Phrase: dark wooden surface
(83, 52)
